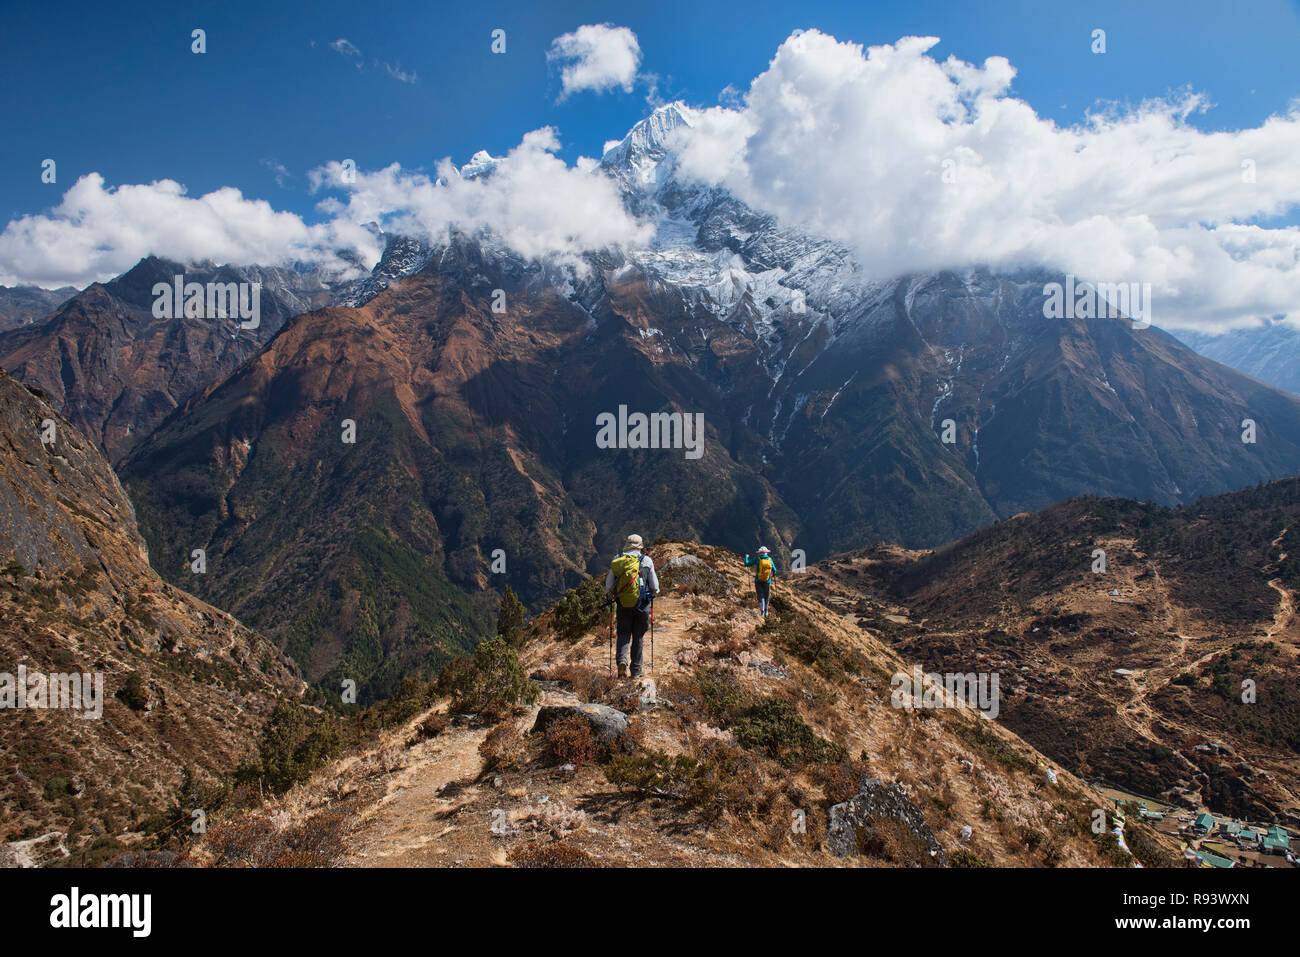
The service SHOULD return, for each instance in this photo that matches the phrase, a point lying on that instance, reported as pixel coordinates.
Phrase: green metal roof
(1214, 860)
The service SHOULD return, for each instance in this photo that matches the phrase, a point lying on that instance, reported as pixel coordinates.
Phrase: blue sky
(1169, 160)
(114, 88)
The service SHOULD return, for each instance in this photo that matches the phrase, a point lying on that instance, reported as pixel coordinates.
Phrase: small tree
(510, 618)
(135, 693)
(291, 747)
(496, 682)
(579, 608)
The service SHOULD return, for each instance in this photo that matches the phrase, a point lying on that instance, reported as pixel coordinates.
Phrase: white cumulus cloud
(919, 164)
(531, 200)
(916, 164)
(96, 232)
(596, 57)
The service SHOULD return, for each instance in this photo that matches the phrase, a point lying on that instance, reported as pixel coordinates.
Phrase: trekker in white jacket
(632, 585)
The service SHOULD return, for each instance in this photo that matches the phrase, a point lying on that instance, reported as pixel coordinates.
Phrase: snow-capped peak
(480, 164)
(650, 140)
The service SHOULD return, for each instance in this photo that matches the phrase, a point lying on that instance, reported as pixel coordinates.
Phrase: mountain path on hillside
(465, 790)
(1156, 679)
(674, 644)
(1284, 617)
(417, 822)
(402, 829)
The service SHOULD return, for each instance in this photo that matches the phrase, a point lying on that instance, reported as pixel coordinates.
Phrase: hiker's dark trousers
(763, 589)
(631, 626)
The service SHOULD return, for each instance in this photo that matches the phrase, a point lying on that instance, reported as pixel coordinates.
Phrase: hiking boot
(636, 672)
(622, 670)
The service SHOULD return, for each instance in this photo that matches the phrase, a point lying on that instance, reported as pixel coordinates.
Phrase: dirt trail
(412, 801)
(1284, 617)
(1138, 707)
(404, 828)
(1285, 614)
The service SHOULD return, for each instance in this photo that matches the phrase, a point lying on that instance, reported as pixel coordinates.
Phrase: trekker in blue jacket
(764, 575)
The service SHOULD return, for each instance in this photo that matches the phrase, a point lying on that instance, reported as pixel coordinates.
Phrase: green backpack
(630, 591)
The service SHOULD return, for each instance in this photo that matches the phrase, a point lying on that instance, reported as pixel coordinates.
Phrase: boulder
(878, 801)
(608, 723)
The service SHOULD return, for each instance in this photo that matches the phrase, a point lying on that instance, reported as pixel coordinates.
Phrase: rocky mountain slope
(25, 305)
(1270, 353)
(476, 431)
(856, 376)
(836, 411)
(183, 684)
(115, 370)
(752, 742)
(1170, 673)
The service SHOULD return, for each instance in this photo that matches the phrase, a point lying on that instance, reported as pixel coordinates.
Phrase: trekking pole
(652, 634)
(611, 639)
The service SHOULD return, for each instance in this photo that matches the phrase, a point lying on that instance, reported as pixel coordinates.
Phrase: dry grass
(557, 854)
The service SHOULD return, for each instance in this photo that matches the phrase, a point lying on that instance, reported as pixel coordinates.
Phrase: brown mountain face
(476, 430)
(473, 432)
(183, 684)
(116, 371)
(1042, 410)
(1170, 673)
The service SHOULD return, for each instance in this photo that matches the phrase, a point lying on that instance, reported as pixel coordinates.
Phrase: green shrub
(656, 774)
(411, 697)
(775, 727)
(292, 745)
(797, 635)
(1005, 754)
(135, 693)
(454, 676)
(493, 684)
(580, 609)
(722, 695)
(965, 857)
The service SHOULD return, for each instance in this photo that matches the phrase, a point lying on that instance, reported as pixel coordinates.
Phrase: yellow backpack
(765, 567)
(628, 588)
